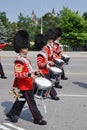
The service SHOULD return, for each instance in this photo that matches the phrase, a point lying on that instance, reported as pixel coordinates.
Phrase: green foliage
(74, 28)
(4, 19)
(32, 46)
(26, 23)
(50, 21)
(9, 47)
(3, 33)
(85, 15)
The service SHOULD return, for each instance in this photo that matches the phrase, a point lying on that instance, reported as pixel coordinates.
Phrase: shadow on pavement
(80, 84)
(25, 115)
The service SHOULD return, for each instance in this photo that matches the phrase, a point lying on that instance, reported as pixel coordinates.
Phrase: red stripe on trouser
(30, 106)
(53, 92)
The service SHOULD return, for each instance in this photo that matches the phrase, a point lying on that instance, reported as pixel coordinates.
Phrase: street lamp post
(41, 19)
(41, 24)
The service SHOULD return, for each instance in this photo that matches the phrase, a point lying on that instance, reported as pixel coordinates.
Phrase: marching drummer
(50, 36)
(24, 76)
(58, 52)
(42, 61)
(56, 49)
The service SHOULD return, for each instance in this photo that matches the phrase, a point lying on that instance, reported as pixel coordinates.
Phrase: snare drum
(58, 62)
(66, 58)
(55, 73)
(42, 86)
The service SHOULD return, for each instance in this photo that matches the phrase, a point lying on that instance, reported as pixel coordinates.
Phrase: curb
(11, 54)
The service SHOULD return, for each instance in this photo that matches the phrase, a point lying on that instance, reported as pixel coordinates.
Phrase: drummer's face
(44, 47)
(24, 51)
(50, 42)
(58, 38)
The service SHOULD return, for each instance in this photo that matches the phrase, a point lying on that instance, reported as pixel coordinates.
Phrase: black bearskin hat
(40, 41)
(21, 40)
(50, 35)
(58, 32)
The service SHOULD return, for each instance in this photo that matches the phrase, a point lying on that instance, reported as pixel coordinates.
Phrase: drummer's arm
(51, 63)
(41, 62)
(3, 45)
(42, 65)
(56, 49)
(33, 75)
(60, 51)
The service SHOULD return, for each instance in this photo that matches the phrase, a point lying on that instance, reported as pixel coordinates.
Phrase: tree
(74, 28)
(50, 21)
(85, 15)
(3, 33)
(6, 23)
(25, 22)
(4, 19)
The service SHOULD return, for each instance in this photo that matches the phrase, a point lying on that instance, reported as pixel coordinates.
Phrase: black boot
(57, 85)
(55, 97)
(2, 72)
(12, 118)
(40, 122)
(3, 77)
(63, 75)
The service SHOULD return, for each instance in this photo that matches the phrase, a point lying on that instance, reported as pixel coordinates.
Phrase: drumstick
(54, 64)
(40, 73)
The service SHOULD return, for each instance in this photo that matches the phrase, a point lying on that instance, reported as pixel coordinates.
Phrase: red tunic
(49, 51)
(56, 50)
(3, 45)
(42, 61)
(22, 71)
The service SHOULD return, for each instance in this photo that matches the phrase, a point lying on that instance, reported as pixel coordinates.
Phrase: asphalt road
(69, 113)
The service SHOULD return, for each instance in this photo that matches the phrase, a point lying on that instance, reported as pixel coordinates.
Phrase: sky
(14, 7)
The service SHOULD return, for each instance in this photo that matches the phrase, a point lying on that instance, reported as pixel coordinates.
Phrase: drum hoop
(56, 59)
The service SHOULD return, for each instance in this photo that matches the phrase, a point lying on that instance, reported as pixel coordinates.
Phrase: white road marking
(13, 126)
(4, 128)
(72, 95)
(71, 73)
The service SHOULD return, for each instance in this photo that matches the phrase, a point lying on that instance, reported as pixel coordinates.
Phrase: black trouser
(53, 92)
(1, 70)
(63, 74)
(18, 105)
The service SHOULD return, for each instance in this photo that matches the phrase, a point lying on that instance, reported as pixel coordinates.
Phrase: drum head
(43, 83)
(66, 56)
(58, 60)
(56, 70)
